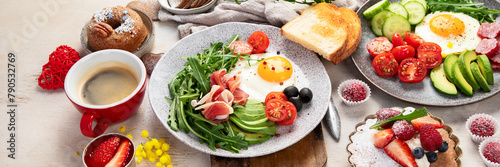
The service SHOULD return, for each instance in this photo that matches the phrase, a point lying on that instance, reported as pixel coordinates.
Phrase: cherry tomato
(276, 95)
(291, 114)
(379, 45)
(402, 52)
(413, 39)
(397, 40)
(241, 47)
(412, 70)
(430, 53)
(276, 110)
(385, 65)
(259, 41)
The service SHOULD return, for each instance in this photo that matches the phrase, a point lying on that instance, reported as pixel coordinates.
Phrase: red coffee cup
(78, 83)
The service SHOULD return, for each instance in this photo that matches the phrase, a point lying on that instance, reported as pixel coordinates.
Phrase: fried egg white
(453, 32)
(273, 73)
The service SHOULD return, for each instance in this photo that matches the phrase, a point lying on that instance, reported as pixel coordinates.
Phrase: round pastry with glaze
(116, 28)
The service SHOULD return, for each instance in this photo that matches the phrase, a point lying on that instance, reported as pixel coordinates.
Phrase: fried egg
(453, 32)
(271, 73)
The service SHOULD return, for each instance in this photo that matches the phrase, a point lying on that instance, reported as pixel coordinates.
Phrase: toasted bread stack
(332, 32)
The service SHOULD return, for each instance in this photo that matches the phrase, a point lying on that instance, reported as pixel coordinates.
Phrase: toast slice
(332, 32)
(354, 35)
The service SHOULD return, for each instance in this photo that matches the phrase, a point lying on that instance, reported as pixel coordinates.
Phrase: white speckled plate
(307, 119)
(421, 93)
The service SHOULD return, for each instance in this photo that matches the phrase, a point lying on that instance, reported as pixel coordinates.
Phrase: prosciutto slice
(240, 97)
(216, 111)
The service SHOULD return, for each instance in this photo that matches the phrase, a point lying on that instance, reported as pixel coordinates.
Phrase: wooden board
(310, 151)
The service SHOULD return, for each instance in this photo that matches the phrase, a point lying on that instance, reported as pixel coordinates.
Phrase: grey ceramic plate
(421, 93)
(307, 119)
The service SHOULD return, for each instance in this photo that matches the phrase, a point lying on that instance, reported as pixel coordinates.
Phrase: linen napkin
(269, 12)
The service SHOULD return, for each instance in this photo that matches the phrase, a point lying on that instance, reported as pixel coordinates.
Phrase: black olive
(296, 102)
(291, 91)
(306, 95)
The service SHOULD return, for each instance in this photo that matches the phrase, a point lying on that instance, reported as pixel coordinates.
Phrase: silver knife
(332, 120)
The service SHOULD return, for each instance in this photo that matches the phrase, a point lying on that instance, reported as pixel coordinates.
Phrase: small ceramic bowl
(476, 138)
(170, 6)
(351, 81)
(129, 162)
(481, 148)
(145, 46)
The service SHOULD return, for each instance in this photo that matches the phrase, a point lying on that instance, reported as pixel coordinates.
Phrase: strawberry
(386, 113)
(400, 152)
(121, 155)
(430, 138)
(382, 138)
(104, 152)
(419, 122)
(403, 130)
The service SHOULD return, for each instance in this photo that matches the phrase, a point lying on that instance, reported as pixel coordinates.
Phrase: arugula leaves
(192, 82)
(468, 7)
(310, 3)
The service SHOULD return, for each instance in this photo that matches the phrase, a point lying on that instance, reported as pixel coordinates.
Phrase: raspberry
(482, 127)
(492, 152)
(354, 92)
(386, 113)
(403, 130)
(430, 138)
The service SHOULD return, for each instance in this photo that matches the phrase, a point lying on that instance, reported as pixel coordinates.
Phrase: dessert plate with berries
(403, 137)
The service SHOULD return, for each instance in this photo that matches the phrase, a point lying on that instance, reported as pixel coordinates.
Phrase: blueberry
(296, 102)
(443, 147)
(418, 152)
(291, 91)
(305, 95)
(431, 156)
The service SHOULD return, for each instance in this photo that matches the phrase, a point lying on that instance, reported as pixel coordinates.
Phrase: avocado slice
(448, 66)
(479, 77)
(251, 138)
(464, 61)
(460, 81)
(271, 130)
(438, 78)
(485, 67)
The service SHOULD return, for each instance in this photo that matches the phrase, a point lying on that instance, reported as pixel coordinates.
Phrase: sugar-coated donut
(116, 28)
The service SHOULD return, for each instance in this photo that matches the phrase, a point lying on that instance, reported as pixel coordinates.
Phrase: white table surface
(47, 125)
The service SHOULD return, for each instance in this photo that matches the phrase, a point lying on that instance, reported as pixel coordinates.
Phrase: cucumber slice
(378, 20)
(398, 9)
(376, 8)
(416, 12)
(395, 23)
(423, 2)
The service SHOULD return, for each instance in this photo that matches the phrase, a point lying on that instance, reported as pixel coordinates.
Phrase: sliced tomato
(402, 52)
(276, 110)
(259, 41)
(397, 40)
(275, 95)
(412, 70)
(379, 45)
(430, 53)
(413, 39)
(385, 64)
(291, 114)
(241, 47)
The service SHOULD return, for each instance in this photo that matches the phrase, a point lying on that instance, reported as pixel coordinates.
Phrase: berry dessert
(354, 92)
(481, 126)
(490, 152)
(109, 150)
(403, 137)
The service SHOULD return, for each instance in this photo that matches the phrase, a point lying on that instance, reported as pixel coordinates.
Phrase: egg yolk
(275, 69)
(446, 25)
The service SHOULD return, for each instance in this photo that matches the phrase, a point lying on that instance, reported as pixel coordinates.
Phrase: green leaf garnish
(414, 115)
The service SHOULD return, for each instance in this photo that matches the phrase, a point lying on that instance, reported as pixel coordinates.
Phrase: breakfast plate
(420, 93)
(307, 119)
